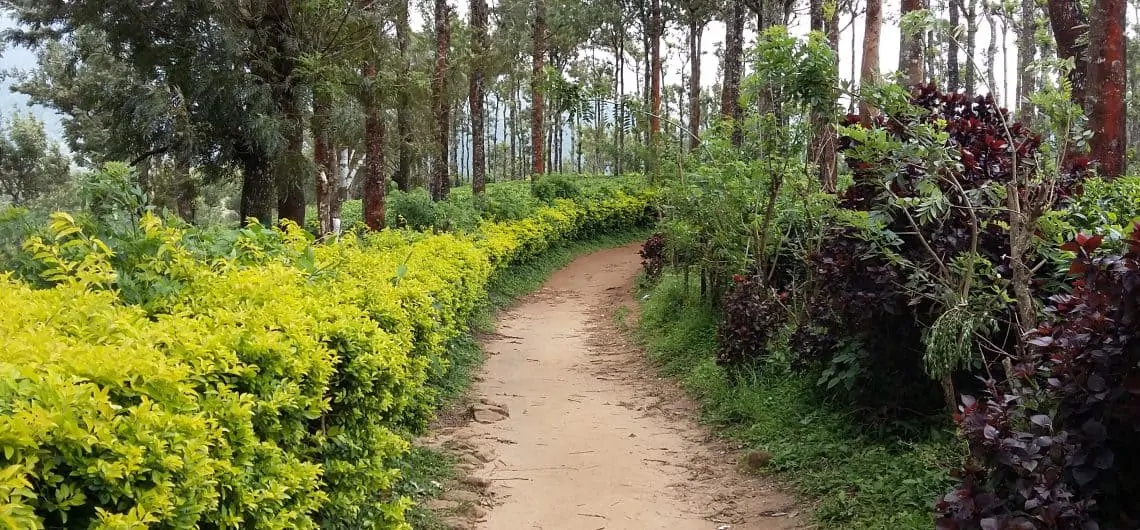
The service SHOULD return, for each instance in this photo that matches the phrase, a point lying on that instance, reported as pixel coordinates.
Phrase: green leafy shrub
(240, 378)
(413, 209)
(551, 187)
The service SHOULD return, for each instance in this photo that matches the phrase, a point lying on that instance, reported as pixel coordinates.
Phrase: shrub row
(259, 390)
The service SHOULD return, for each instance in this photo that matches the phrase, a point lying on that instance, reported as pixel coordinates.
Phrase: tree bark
(869, 72)
(326, 178)
(991, 56)
(536, 101)
(1026, 54)
(696, 30)
(404, 108)
(1069, 23)
(953, 80)
(970, 78)
(656, 29)
(374, 188)
(823, 140)
(259, 190)
(479, 41)
(1108, 73)
(730, 87)
(911, 48)
(440, 183)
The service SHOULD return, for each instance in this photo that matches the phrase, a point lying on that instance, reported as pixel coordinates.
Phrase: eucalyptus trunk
(1108, 73)
(536, 100)
(869, 72)
(441, 105)
(374, 189)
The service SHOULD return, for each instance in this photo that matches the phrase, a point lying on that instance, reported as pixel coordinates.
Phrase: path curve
(568, 427)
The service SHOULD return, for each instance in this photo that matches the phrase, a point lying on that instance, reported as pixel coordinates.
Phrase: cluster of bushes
(160, 375)
(911, 289)
(503, 201)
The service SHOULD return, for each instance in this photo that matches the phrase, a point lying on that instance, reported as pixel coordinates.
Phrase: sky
(14, 58)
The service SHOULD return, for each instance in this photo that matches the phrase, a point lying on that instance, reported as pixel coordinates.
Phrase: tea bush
(239, 378)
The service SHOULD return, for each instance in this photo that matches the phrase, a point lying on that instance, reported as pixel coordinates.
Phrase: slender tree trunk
(1069, 23)
(733, 52)
(404, 108)
(656, 29)
(619, 161)
(696, 31)
(822, 147)
(441, 183)
(374, 189)
(1108, 75)
(1026, 54)
(325, 160)
(536, 101)
(970, 78)
(912, 48)
(953, 81)
(991, 56)
(478, 163)
(869, 73)
(340, 188)
(513, 127)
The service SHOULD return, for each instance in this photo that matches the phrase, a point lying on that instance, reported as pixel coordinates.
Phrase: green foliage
(552, 187)
(182, 377)
(862, 480)
(413, 209)
(30, 165)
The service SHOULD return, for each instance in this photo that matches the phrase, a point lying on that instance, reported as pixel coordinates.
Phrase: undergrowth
(859, 477)
(426, 469)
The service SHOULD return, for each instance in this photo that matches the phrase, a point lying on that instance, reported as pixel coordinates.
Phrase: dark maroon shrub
(1057, 448)
(752, 312)
(653, 255)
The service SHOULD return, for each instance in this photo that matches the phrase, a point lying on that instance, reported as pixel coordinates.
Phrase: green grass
(858, 479)
(424, 470)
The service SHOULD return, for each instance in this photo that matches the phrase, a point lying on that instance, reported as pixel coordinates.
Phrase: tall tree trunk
(1026, 54)
(953, 80)
(869, 73)
(620, 121)
(440, 183)
(911, 49)
(696, 30)
(513, 127)
(733, 51)
(970, 78)
(326, 180)
(479, 41)
(823, 131)
(1069, 23)
(374, 189)
(1108, 75)
(259, 189)
(991, 56)
(404, 109)
(656, 29)
(536, 101)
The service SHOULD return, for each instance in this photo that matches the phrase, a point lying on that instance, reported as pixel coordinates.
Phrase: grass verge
(857, 479)
(424, 470)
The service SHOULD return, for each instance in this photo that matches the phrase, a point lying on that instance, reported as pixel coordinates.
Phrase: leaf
(1042, 420)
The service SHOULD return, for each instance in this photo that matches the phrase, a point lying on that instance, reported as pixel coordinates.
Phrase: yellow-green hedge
(273, 395)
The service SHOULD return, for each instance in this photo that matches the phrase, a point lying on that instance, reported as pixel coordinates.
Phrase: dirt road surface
(569, 427)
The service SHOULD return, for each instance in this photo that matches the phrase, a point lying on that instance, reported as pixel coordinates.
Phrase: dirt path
(569, 428)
